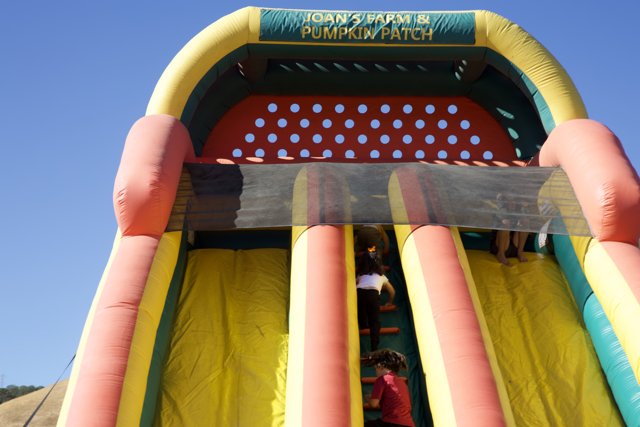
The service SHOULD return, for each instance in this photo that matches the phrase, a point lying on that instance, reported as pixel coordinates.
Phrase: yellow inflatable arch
(245, 327)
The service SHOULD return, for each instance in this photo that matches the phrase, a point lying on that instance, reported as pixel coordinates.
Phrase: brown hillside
(15, 412)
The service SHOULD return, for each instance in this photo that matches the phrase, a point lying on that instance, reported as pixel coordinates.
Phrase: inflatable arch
(257, 326)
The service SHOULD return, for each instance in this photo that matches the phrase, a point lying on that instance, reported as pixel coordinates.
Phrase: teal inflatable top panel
(367, 27)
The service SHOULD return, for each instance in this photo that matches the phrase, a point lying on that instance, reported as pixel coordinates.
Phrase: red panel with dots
(279, 129)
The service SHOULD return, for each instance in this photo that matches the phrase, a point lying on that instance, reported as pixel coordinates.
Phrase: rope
(48, 393)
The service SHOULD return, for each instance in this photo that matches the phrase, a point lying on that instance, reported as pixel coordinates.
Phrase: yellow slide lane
(550, 368)
(227, 360)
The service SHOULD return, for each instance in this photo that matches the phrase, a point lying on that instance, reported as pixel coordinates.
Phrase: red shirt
(394, 398)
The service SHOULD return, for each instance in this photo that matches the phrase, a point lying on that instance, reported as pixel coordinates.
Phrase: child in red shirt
(390, 393)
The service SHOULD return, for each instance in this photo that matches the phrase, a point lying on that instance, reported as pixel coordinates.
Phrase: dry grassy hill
(15, 412)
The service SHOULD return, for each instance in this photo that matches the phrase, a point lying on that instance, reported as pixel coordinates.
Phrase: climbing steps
(383, 331)
(397, 333)
(368, 373)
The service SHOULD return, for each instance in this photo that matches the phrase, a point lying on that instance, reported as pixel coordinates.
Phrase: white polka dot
(384, 108)
(282, 123)
(272, 108)
(487, 155)
(397, 154)
(304, 123)
(304, 153)
(350, 154)
(429, 139)
(430, 109)
(339, 138)
(316, 108)
(442, 124)
(452, 109)
(452, 139)
(272, 137)
(385, 139)
(326, 123)
(317, 138)
(362, 108)
(407, 139)
(295, 138)
(259, 152)
(375, 124)
(327, 153)
(464, 155)
(475, 139)
(397, 123)
(294, 108)
(374, 154)
(407, 108)
(259, 122)
(339, 108)
(249, 137)
(465, 124)
(349, 123)
(282, 152)
(442, 154)
(362, 139)
(419, 154)
(420, 124)
(236, 153)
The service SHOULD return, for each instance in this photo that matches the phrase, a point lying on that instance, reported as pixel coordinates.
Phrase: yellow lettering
(395, 34)
(370, 18)
(427, 34)
(329, 33)
(415, 34)
(317, 17)
(380, 19)
(329, 18)
(404, 19)
(316, 32)
(368, 33)
(342, 31)
(384, 32)
(424, 19)
(390, 17)
(405, 33)
(307, 18)
(341, 18)
(356, 18)
(306, 30)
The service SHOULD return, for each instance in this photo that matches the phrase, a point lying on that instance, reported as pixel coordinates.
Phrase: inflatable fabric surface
(546, 357)
(227, 359)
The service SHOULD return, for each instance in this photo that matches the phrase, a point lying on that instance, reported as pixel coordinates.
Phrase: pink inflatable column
(144, 193)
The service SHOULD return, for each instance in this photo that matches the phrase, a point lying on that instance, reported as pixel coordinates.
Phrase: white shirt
(371, 281)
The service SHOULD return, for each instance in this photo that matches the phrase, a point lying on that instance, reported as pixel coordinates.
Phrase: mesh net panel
(222, 197)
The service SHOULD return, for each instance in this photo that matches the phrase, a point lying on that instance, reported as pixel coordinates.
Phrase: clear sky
(75, 75)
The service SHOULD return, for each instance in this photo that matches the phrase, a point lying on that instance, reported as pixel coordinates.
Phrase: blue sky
(74, 77)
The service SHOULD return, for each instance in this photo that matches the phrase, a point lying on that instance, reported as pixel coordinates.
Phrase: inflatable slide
(229, 297)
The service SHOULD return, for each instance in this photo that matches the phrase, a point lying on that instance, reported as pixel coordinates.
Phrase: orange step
(388, 308)
(371, 380)
(366, 407)
(383, 331)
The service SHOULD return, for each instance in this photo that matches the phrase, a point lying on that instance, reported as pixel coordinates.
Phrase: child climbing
(369, 235)
(390, 393)
(370, 281)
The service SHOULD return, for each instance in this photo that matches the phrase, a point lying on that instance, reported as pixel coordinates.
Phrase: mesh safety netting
(231, 196)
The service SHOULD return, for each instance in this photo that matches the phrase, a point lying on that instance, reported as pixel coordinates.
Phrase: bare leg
(502, 242)
(519, 240)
